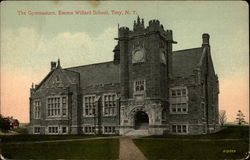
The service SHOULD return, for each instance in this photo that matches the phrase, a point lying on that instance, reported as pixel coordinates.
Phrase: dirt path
(129, 151)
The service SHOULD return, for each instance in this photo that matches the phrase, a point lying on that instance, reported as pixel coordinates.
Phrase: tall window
(57, 106)
(179, 100)
(37, 109)
(109, 103)
(54, 106)
(89, 105)
(139, 86)
(64, 106)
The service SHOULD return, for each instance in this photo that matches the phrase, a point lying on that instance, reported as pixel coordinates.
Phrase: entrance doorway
(141, 120)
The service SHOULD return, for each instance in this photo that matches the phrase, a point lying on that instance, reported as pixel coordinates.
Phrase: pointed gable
(58, 78)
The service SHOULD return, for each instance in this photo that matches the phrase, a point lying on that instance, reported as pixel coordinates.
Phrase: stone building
(147, 86)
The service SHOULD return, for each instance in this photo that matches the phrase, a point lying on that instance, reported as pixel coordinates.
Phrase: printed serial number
(229, 151)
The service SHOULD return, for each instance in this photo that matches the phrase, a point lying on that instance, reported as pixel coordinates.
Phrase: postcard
(124, 80)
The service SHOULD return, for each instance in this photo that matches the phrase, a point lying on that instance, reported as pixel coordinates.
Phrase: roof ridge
(66, 69)
(89, 65)
(188, 49)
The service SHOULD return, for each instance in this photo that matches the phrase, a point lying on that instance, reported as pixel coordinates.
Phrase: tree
(222, 117)
(4, 125)
(240, 118)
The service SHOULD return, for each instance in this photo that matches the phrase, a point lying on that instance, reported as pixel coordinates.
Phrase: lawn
(197, 147)
(89, 149)
(30, 137)
(227, 132)
(178, 149)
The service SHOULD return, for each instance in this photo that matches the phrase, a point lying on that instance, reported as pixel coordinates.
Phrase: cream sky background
(29, 43)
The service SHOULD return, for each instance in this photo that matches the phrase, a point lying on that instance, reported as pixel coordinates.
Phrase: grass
(29, 137)
(211, 147)
(177, 149)
(227, 132)
(20, 130)
(89, 149)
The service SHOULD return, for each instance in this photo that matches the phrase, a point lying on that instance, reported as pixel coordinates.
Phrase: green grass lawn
(227, 132)
(178, 149)
(89, 149)
(155, 147)
(192, 147)
(30, 137)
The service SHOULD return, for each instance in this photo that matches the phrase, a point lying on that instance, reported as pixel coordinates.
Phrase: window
(53, 130)
(54, 106)
(109, 130)
(37, 109)
(173, 93)
(179, 108)
(184, 128)
(178, 92)
(64, 106)
(183, 91)
(89, 130)
(36, 130)
(64, 129)
(57, 106)
(179, 128)
(139, 86)
(109, 103)
(174, 128)
(89, 105)
(179, 100)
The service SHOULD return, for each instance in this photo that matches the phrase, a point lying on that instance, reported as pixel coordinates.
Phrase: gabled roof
(95, 74)
(72, 77)
(185, 61)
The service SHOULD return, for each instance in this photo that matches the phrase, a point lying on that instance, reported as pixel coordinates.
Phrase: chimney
(205, 39)
(58, 64)
(53, 65)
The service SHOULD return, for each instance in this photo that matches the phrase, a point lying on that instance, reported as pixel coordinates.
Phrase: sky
(30, 42)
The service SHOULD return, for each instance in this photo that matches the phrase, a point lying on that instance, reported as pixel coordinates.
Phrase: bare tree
(222, 117)
(240, 118)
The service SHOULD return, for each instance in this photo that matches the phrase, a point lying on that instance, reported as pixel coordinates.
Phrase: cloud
(26, 56)
(25, 48)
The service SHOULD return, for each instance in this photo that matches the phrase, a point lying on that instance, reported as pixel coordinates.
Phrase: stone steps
(138, 132)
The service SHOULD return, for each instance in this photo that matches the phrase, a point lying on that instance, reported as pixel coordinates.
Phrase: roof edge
(88, 65)
(187, 49)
